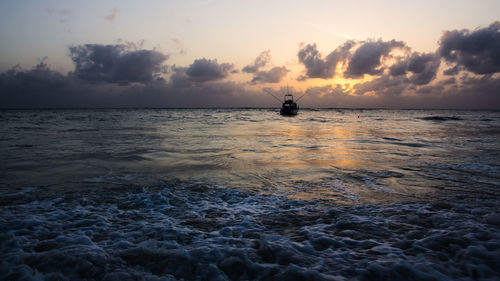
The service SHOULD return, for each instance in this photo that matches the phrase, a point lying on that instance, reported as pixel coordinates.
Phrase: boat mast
(288, 91)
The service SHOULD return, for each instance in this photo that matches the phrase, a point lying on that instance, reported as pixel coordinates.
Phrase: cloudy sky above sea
(217, 53)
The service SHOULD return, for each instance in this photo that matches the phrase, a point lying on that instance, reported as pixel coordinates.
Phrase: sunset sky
(214, 53)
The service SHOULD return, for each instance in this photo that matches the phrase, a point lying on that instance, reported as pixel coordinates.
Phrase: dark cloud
(336, 96)
(486, 84)
(203, 70)
(470, 93)
(424, 68)
(112, 66)
(449, 81)
(37, 87)
(368, 57)
(452, 71)
(477, 51)
(476, 94)
(179, 78)
(384, 85)
(126, 75)
(427, 90)
(262, 60)
(340, 54)
(40, 77)
(405, 75)
(274, 75)
(42, 87)
(116, 63)
(316, 66)
(399, 68)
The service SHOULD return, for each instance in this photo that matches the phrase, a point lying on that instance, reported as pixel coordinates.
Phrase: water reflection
(264, 151)
(352, 155)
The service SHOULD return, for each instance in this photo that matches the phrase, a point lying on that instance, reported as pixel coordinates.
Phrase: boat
(289, 107)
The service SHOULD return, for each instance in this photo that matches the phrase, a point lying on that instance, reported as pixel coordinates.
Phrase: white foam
(214, 232)
(370, 183)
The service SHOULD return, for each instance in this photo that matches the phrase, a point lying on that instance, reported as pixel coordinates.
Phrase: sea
(247, 194)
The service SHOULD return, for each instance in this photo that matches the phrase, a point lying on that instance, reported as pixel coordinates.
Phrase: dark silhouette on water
(289, 106)
(442, 118)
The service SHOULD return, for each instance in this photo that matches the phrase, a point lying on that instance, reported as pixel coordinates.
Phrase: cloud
(468, 93)
(368, 57)
(126, 75)
(179, 78)
(423, 67)
(116, 63)
(203, 70)
(375, 58)
(385, 85)
(316, 66)
(475, 51)
(405, 75)
(39, 77)
(335, 96)
(452, 71)
(200, 71)
(36, 87)
(399, 68)
(41, 87)
(486, 85)
(131, 45)
(262, 60)
(112, 14)
(274, 75)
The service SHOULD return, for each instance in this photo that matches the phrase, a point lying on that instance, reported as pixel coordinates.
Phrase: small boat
(289, 107)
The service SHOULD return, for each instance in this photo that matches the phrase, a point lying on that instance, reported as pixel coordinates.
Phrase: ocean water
(246, 194)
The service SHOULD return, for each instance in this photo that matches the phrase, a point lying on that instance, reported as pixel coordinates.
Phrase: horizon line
(241, 108)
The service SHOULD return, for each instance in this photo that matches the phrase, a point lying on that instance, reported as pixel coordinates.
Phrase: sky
(217, 53)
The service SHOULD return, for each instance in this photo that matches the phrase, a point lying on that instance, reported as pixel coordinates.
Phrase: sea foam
(200, 232)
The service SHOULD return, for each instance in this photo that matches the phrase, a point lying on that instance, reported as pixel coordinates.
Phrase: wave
(194, 231)
(442, 118)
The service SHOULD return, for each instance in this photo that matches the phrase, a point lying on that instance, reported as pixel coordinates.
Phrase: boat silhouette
(289, 107)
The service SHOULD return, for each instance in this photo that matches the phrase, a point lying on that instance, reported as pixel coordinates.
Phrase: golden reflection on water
(320, 146)
(266, 152)
(370, 154)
